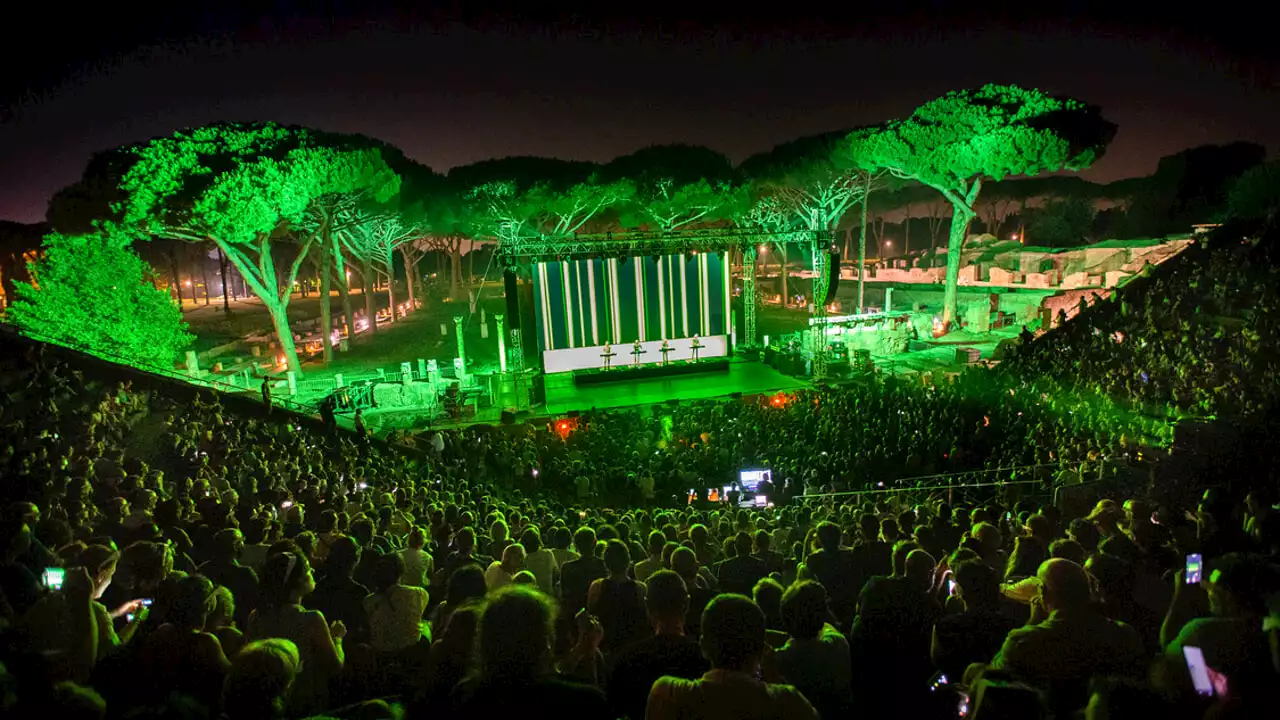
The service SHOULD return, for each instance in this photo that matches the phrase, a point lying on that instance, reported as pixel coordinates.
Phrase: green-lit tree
(251, 190)
(91, 292)
(1255, 195)
(807, 185)
(955, 142)
(677, 186)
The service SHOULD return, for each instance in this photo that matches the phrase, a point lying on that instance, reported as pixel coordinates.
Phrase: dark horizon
(451, 90)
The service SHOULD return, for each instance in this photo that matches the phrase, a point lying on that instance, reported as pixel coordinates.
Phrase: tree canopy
(92, 292)
(955, 142)
(677, 186)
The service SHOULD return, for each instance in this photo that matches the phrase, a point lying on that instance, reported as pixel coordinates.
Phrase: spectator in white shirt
(541, 562)
(500, 573)
(418, 564)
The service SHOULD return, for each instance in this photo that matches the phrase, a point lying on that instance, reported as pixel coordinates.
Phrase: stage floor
(748, 378)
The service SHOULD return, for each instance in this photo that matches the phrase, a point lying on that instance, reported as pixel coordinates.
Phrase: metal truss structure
(518, 250)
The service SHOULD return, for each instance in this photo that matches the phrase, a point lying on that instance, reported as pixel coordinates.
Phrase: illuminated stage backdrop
(590, 302)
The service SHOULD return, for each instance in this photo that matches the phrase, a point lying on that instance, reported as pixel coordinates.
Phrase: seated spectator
(653, 562)
(180, 656)
(451, 655)
(1067, 641)
(500, 573)
(418, 564)
(768, 595)
(816, 656)
(1231, 639)
(515, 665)
(286, 579)
(684, 562)
(465, 585)
(977, 633)
(394, 611)
(225, 570)
(733, 642)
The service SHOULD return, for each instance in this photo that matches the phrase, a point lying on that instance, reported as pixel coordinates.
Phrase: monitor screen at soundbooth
(751, 479)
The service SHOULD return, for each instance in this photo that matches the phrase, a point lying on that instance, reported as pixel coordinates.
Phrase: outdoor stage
(741, 376)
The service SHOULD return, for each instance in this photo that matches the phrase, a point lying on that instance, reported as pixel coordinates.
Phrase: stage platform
(746, 377)
(630, 373)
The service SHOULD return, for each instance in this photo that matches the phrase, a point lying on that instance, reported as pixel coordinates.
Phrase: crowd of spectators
(1196, 337)
(167, 554)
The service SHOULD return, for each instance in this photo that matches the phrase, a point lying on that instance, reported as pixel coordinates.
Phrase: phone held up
(52, 578)
(1195, 569)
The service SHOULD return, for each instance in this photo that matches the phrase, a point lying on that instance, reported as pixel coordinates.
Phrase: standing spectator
(740, 573)
(516, 672)
(667, 652)
(338, 596)
(576, 576)
(225, 570)
(653, 562)
(618, 600)
(733, 641)
(838, 570)
(816, 656)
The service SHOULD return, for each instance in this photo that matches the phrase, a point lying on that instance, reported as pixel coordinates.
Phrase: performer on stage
(608, 355)
(695, 346)
(637, 351)
(666, 350)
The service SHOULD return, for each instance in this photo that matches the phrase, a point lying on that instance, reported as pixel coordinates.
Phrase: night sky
(451, 89)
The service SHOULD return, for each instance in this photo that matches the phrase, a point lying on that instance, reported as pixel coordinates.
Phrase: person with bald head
(1067, 641)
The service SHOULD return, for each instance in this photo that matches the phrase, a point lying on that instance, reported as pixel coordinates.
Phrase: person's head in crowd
(742, 544)
(465, 541)
(1239, 586)
(768, 595)
(1067, 550)
(1119, 546)
(667, 549)
(1041, 528)
(1064, 586)
(228, 545)
(656, 541)
(524, 577)
(829, 535)
(285, 579)
(466, 583)
(804, 610)
(899, 556)
(1024, 561)
(513, 557)
(1106, 516)
(584, 541)
(977, 584)
(344, 555)
(499, 530)
(918, 568)
(761, 542)
(143, 565)
(989, 537)
(1114, 580)
(387, 570)
(889, 532)
(1085, 533)
(517, 632)
(101, 562)
(733, 634)
(666, 602)
(260, 678)
(531, 541)
(193, 601)
(224, 609)
(684, 562)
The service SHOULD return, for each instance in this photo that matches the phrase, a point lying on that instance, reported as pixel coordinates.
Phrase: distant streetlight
(187, 283)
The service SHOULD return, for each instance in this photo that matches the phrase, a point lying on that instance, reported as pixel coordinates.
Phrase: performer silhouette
(695, 346)
(608, 355)
(666, 351)
(637, 351)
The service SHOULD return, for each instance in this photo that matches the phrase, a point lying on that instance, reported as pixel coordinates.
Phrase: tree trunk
(344, 292)
(280, 319)
(782, 272)
(173, 269)
(326, 301)
(222, 267)
(410, 267)
(455, 271)
(906, 233)
(471, 262)
(204, 276)
(391, 299)
(960, 218)
(862, 249)
(366, 281)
